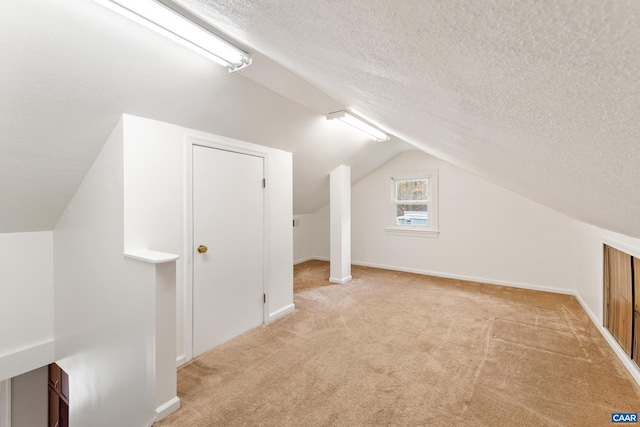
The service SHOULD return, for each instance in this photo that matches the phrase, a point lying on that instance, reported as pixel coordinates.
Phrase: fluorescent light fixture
(173, 25)
(359, 124)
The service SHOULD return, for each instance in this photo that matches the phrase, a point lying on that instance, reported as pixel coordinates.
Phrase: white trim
(181, 359)
(287, 309)
(266, 230)
(616, 244)
(341, 281)
(25, 360)
(168, 408)
(235, 146)
(187, 296)
(624, 358)
(311, 258)
(456, 276)
(468, 278)
(301, 260)
(5, 403)
(152, 257)
(411, 231)
(626, 361)
(227, 144)
(432, 230)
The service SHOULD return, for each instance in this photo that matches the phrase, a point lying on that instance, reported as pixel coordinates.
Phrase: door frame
(630, 249)
(5, 403)
(621, 246)
(235, 146)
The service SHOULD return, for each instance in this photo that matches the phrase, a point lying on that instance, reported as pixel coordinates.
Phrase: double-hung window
(414, 205)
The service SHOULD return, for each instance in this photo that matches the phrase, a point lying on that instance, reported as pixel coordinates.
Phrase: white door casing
(228, 218)
(5, 403)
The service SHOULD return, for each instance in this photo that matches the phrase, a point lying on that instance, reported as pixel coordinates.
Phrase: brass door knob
(202, 249)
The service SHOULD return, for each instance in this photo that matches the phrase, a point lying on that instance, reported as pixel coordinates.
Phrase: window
(414, 205)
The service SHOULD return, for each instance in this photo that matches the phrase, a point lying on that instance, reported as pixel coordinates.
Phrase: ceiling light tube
(359, 124)
(171, 24)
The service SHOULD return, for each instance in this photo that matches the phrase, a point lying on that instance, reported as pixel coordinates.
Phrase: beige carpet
(393, 348)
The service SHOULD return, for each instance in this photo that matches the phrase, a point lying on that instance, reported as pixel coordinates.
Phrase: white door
(227, 220)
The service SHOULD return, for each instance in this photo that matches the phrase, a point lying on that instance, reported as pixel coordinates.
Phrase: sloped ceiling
(69, 69)
(541, 97)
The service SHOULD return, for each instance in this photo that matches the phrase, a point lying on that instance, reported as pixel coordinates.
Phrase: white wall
(104, 304)
(320, 232)
(26, 316)
(156, 159)
(311, 239)
(487, 233)
(311, 236)
(30, 399)
(302, 238)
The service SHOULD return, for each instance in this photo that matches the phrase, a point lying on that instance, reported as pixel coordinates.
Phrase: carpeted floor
(392, 348)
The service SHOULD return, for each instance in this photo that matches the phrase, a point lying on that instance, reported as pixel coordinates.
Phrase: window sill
(411, 231)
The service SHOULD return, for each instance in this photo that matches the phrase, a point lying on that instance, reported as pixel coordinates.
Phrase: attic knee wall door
(621, 299)
(228, 218)
(636, 313)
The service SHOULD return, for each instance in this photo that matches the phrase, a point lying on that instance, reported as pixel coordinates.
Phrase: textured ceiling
(541, 97)
(69, 69)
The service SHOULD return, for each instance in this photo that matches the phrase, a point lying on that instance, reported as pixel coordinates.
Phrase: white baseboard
(628, 363)
(5, 403)
(168, 408)
(25, 360)
(310, 258)
(620, 353)
(467, 278)
(181, 360)
(340, 281)
(281, 313)
(452, 276)
(624, 358)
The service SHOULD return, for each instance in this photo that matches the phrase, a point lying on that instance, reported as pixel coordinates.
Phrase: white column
(340, 223)
(164, 275)
(167, 400)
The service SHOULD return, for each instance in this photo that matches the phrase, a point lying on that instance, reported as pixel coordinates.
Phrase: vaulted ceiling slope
(69, 69)
(541, 97)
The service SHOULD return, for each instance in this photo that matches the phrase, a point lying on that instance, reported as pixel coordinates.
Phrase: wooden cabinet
(622, 299)
(54, 408)
(58, 397)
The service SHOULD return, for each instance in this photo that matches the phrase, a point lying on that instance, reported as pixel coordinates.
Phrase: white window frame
(430, 230)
